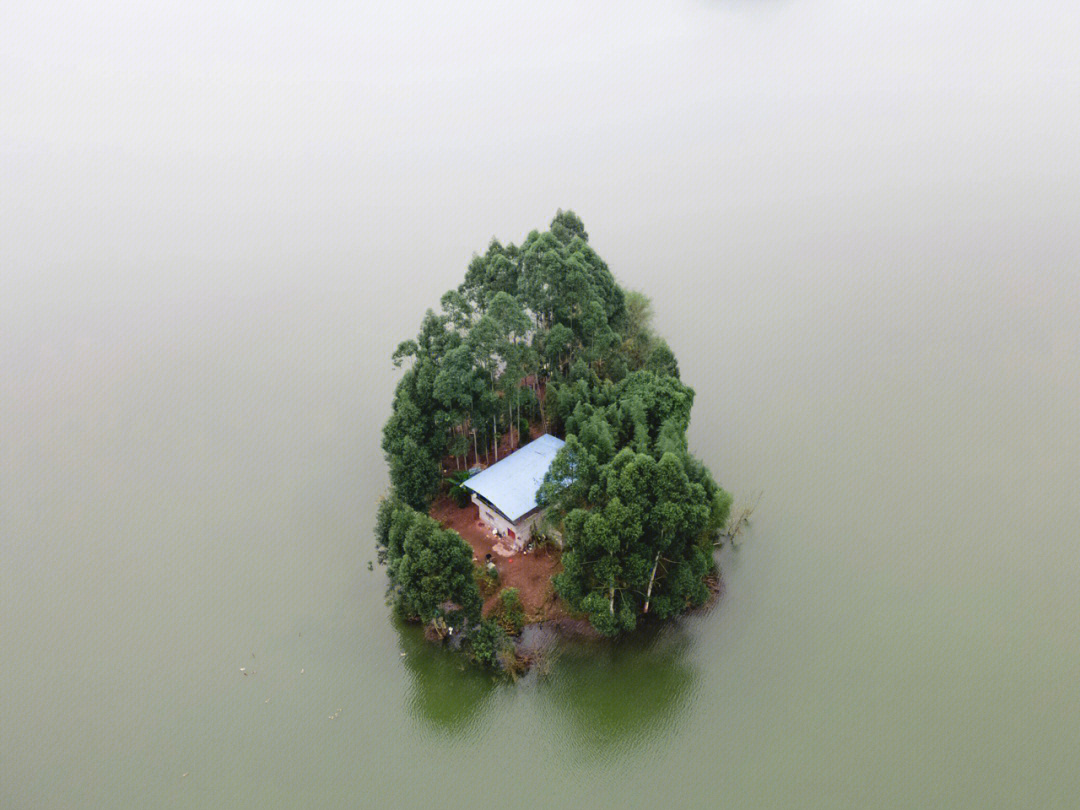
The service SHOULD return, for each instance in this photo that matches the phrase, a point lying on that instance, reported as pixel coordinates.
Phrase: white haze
(152, 153)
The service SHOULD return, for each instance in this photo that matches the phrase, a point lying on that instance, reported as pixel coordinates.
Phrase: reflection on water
(602, 695)
(446, 692)
(613, 696)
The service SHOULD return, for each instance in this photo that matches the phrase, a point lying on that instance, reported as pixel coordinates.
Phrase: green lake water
(869, 270)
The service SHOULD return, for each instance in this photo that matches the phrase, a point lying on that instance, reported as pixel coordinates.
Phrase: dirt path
(530, 573)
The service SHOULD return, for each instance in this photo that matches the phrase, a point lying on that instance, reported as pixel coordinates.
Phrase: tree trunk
(475, 452)
(652, 579)
(540, 404)
(495, 438)
(611, 604)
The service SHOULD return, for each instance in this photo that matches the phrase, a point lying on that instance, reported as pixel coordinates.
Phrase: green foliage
(637, 512)
(487, 580)
(567, 225)
(487, 642)
(661, 360)
(411, 439)
(384, 516)
(524, 431)
(643, 535)
(558, 346)
(430, 568)
(637, 337)
(414, 474)
(561, 277)
(510, 612)
(572, 474)
(436, 568)
(458, 494)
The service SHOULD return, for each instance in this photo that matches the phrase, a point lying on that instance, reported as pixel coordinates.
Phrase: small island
(538, 458)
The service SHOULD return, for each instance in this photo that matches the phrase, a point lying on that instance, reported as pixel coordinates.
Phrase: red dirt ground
(529, 573)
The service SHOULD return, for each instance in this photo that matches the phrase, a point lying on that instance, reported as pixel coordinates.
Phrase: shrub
(511, 614)
(514, 663)
(545, 538)
(488, 642)
(458, 494)
(487, 579)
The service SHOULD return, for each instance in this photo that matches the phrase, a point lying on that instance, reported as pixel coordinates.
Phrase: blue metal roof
(510, 484)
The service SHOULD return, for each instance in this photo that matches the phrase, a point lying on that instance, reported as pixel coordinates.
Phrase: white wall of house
(522, 530)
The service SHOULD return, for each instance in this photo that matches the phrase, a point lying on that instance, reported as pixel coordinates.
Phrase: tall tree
(436, 568)
(566, 225)
(546, 327)
(459, 389)
(642, 545)
(430, 567)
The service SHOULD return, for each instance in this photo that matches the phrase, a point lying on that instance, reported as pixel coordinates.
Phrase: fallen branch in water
(740, 520)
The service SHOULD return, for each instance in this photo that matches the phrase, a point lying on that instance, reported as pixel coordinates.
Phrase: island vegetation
(541, 338)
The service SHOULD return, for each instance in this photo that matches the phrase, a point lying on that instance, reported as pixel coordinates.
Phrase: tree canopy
(542, 331)
(431, 570)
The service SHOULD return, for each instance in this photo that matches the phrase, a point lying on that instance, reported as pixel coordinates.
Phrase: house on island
(505, 493)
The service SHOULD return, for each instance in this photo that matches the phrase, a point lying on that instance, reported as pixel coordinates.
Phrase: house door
(511, 533)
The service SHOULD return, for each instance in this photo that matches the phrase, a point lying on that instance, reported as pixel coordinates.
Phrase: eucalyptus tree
(545, 326)
(637, 334)
(459, 389)
(513, 325)
(568, 481)
(539, 284)
(412, 442)
(661, 359)
(435, 339)
(458, 309)
(566, 225)
(663, 398)
(558, 344)
(496, 271)
(533, 364)
(642, 544)
(485, 341)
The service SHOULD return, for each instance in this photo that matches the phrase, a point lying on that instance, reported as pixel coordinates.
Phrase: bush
(458, 493)
(511, 614)
(488, 643)
(487, 579)
(514, 663)
(544, 538)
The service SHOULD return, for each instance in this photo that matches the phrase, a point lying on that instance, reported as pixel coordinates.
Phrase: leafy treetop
(543, 331)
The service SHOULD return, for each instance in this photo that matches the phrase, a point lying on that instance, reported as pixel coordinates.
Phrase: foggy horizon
(188, 152)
